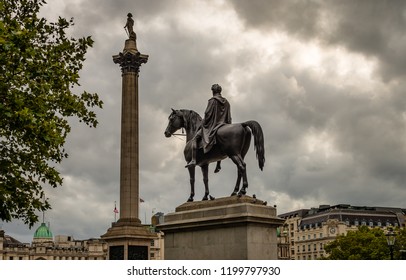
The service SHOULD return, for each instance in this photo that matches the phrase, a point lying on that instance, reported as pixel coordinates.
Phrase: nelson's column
(127, 239)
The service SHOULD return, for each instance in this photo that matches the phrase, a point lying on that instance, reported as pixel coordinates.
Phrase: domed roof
(43, 232)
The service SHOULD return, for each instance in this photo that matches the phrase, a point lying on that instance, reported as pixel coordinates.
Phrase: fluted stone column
(130, 61)
(128, 239)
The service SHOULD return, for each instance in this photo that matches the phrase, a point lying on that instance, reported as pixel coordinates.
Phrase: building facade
(62, 248)
(45, 246)
(306, 231)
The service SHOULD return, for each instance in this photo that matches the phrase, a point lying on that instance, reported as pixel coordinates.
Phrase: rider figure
(217, 114)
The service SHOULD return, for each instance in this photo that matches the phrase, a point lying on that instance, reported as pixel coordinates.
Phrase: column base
(128, 240)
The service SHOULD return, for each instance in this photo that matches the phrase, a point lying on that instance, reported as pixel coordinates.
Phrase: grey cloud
(373, 28)
(290, 103)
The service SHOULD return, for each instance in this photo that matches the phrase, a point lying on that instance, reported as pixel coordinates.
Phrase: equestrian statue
(215, 138)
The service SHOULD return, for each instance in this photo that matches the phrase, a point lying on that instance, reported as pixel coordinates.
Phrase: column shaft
(129, 175)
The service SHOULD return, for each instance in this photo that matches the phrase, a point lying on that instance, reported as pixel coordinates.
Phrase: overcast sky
(325, 79)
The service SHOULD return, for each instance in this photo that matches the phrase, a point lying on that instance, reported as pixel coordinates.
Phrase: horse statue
(233, 141)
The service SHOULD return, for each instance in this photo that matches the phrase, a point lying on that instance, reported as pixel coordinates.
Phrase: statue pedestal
(222, 229)
(128, 240)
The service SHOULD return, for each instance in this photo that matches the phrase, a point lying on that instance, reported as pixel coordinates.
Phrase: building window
(309, 247)
(304, 248)
(363, 223)
(371, 224)
(347, 222)
(321, 246)
(304, 237)
(321, 235)
(356, 223)
(314, 236)
(379, 224)
(308, 237)
(152, 242)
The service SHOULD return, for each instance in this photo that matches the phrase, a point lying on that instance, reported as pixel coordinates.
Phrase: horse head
(175, 123)
(188, 119)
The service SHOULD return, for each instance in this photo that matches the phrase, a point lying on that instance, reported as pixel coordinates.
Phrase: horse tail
(256, 130)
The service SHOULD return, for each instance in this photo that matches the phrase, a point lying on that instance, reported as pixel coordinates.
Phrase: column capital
(130, 59)
(130, 62)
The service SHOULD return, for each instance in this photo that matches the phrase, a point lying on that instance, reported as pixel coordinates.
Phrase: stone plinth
(224, 229)
(128, 241)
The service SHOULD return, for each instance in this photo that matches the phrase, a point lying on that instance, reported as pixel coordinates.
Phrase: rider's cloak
(216, 115)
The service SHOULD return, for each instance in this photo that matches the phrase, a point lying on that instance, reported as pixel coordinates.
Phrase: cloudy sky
(325, 79)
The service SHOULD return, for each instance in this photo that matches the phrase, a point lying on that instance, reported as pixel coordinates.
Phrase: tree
(39, 68)
(400, 244)
(364, 244)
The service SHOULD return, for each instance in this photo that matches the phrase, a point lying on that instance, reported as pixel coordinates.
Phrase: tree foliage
(400, 244)
(364, 244)
(39, 67)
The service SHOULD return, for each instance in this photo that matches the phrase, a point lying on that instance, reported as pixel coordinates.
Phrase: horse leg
(218, 167)
(192, 183)
(243, 153)
(237, 184)
(205, 172)
(244, 187)
(237, 159)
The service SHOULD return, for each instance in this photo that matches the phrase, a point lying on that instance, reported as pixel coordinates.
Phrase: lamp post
(402, 254)
(390, 238)
(286, 241)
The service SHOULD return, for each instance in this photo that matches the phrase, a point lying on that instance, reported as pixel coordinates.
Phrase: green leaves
(39, 66)
(364, 244)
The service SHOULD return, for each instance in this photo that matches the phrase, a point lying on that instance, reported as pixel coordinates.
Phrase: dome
(43, 232)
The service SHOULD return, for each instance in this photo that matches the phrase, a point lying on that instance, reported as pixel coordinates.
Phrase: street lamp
(286, 240)
(402, 254)
(391, 238)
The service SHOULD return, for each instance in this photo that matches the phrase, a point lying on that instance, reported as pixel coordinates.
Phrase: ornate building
(45, 246)
(306, 231)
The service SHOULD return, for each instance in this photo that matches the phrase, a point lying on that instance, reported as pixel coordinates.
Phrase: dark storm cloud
(370, 130)
(297, 17)
(179, 74)
(330, 137)
(371, 27)
(365, 128)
